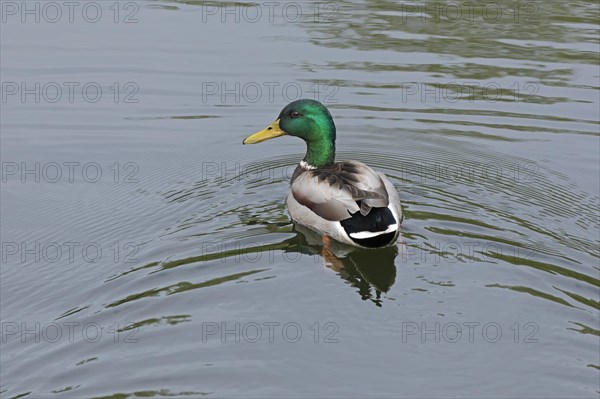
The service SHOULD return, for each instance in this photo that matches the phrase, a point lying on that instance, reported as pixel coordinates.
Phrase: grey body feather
(333, 192)
(321, 198)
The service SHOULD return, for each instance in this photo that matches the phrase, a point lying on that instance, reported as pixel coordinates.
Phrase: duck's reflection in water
(372, 271)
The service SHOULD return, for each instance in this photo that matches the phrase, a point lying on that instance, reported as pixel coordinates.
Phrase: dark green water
(146, 252)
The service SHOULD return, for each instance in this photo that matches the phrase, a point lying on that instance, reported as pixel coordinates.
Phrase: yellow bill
(270, 132)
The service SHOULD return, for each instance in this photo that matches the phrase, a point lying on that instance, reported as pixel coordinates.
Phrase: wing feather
(338, 191)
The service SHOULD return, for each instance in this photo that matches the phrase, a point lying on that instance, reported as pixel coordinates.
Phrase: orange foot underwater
(330, 259)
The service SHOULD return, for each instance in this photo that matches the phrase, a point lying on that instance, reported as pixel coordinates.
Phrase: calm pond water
(146, 252)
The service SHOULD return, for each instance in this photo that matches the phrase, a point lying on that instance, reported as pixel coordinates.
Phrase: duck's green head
(311, 121)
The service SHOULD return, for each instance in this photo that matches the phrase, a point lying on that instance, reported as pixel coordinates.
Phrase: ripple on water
(498, 187)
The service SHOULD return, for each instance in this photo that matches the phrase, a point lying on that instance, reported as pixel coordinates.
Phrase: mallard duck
(347, 201)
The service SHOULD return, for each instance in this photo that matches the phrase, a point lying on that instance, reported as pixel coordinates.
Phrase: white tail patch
(361, 235)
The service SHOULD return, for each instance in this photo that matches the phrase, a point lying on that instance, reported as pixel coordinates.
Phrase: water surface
(160, 261)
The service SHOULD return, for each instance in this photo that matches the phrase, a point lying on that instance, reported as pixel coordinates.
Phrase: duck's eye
(295, 114)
